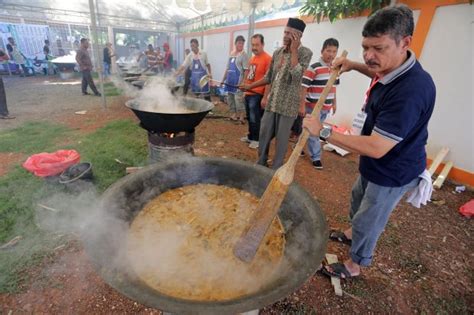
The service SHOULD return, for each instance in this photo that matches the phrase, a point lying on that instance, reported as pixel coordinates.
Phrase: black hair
(330, 42)
(194, 40)
(395, 21)
(262, 40)
(239, 38)
(83, 40)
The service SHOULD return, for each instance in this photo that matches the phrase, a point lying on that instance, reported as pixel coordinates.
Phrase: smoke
(128, 89)
(156, 95)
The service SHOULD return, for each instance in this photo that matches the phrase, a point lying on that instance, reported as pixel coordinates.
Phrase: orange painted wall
(427, 11)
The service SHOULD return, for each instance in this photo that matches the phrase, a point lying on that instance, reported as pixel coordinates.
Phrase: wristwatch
(325, 133)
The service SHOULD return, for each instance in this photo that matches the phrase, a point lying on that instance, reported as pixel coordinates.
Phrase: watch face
(325, 133)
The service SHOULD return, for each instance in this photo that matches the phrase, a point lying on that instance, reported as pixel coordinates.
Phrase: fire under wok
(302, 219)
(183, 118)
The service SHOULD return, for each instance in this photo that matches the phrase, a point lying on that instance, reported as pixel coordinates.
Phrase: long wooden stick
(437, 160)
(442, 176)
(247, 246)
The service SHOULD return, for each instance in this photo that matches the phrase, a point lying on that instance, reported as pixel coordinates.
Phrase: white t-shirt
(201, 55)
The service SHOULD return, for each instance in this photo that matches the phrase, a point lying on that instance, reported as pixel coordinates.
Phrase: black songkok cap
(296, 24)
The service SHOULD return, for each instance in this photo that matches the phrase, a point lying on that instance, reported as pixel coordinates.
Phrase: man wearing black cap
(285, 74)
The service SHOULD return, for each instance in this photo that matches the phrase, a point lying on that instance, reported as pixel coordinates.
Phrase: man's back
(83, 59)
(107, 55)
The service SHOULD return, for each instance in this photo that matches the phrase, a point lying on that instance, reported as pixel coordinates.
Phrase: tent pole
(96, 51)
(251, 26)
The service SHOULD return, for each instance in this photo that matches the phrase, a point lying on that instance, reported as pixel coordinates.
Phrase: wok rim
(242, 304)
(210, 107)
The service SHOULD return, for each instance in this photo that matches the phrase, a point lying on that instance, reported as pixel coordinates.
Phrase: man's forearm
(260, 82)
(362, 145)
(209, 70)
(268, 87)
(294, 58)
(179, 71)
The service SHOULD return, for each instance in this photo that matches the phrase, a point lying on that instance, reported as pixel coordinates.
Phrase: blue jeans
(371, 206)
(314, 146)
(254, 115)
(106, 69)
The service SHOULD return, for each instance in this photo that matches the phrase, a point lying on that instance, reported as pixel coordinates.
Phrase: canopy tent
(159, 15)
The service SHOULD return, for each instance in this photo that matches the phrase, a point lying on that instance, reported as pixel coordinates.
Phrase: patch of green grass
(17, 190)
(108, 85)
(122, 140)
(29, 252)
(32, 137)
(112, 92)
(20, 190)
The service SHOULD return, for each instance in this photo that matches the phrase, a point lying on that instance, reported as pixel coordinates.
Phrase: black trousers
(297, 127)
(187, 81)
(3, 99)
(87, 80)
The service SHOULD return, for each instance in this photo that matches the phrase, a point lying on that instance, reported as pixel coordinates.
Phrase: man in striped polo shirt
(314, 80)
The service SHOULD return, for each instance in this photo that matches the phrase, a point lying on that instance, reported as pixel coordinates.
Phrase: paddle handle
(235, 86)
(305, 135)
(271, 200)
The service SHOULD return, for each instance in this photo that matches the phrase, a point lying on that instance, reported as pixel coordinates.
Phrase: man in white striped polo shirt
(314, 80)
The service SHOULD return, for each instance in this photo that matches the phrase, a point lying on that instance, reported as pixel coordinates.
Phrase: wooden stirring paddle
(248, 244)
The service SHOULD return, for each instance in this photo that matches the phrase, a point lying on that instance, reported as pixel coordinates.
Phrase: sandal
(339, 236)
(339, 270)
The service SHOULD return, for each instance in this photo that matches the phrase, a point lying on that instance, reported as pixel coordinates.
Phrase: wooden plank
(443, 175)
(437, 160)
(335, 281)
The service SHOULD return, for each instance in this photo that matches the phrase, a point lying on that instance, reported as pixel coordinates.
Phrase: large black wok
(304, 224)
(159, 122)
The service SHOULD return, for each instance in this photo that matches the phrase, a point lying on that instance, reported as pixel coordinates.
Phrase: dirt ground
(423, 262)
(44, 98)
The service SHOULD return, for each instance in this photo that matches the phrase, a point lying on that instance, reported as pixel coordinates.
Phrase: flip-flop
(339, 270)
(339, 236)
